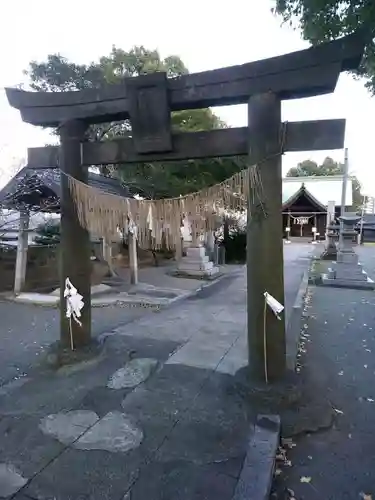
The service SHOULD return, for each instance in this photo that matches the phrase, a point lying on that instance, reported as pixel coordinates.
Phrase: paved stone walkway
(27, 330)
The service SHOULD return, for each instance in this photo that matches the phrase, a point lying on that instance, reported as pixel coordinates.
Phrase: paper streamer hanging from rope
(104, 214)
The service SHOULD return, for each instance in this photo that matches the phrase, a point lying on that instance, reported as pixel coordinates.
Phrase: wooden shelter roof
(39, 189)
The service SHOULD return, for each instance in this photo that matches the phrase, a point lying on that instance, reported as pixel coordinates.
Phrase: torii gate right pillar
(265, 263)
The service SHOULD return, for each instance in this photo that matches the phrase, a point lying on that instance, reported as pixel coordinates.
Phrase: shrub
(48, 233)
(233, 238)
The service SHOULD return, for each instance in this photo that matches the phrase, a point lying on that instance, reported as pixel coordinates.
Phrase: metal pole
(343, 194)
(361, 224)
(344, 182)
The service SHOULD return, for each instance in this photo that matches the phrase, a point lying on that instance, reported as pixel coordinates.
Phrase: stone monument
(197, 264)
(287, 232)
(347, 272)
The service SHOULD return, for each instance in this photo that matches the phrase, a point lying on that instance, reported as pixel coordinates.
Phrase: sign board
(301, 220)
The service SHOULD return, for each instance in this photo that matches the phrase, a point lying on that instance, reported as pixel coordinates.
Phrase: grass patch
(317, 268)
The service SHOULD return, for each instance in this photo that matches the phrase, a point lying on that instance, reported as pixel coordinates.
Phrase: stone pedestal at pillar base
(365, 283)
(196, 264)
(347, 272)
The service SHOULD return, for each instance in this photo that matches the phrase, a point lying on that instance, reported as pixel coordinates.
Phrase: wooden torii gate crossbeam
(148, 101)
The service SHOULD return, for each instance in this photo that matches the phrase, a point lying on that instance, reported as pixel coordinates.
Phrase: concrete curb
(112, 299)
(212, 283)
(256, 477)
(293, 327)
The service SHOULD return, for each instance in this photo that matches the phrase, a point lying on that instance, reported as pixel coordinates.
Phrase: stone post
(133, 258)
(107, 254)
(210, 244)
(22, 246)
(287, 230)
(314, 229)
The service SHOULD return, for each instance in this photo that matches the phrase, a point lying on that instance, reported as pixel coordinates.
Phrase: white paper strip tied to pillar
(274, 305)
(277, 309)
(74, 304)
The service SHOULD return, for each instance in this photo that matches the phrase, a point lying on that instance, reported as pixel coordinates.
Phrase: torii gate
(148, 102)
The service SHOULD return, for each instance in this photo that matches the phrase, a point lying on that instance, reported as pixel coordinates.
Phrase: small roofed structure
(38, 190)
(306, 201)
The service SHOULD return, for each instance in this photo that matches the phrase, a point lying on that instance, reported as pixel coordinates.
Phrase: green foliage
(322, 20)
(157, 180)
(328, 167)
(48, 233)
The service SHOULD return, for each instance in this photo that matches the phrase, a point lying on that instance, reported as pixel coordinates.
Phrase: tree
(322, 20)
(9, 220)
(57, 74)
(328, 167)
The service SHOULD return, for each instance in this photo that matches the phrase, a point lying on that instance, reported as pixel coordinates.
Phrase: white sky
(205, 34)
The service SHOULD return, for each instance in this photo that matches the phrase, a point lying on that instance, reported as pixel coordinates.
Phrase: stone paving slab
(24, 447)
(47, 415)
(162, 408)
(201, 355)
(178, 479)
(84, 475)
(181, 444)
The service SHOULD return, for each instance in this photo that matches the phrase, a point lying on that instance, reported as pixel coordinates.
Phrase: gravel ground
(338, 463)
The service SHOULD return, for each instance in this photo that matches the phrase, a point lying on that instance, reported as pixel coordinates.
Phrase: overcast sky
(205, 34)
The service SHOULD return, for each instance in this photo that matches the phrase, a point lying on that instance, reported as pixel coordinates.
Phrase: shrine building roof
(323, 189)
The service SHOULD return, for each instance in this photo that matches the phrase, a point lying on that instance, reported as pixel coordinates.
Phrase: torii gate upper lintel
(305, 73)
(148, 101)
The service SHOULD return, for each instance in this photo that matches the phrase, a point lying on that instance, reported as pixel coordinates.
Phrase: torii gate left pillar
(75, 262)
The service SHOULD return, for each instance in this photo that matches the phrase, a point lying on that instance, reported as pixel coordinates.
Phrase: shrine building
(306, 200)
